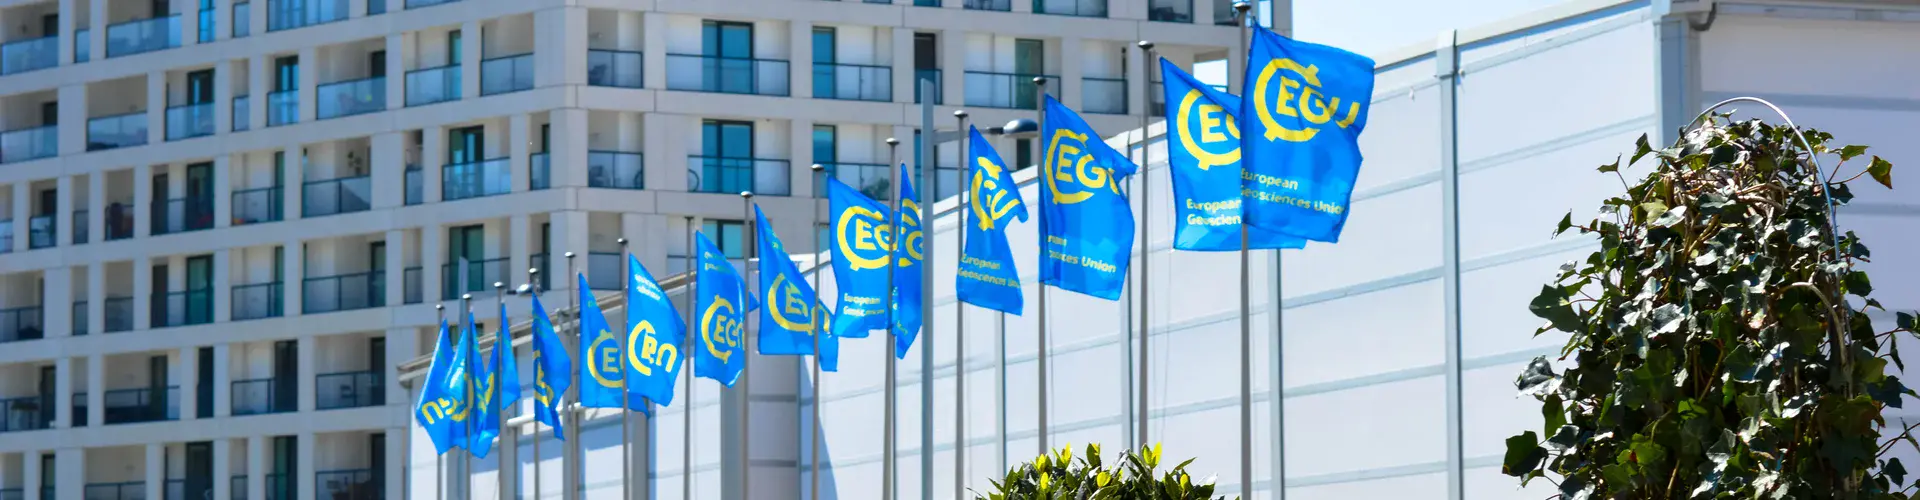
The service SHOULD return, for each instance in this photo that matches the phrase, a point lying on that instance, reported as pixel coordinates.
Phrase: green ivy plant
(1058, 475)
(1720, 344)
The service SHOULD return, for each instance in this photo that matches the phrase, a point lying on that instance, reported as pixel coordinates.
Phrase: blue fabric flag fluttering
(473, 371)
(906, 271)
(1305, 109)
(1086, 225)
(987, 276)
(655, 333)
(789, 319)
(602, 372)
(721, 304)
(552, 370)
(442, 409)
(1203, 150)
(500, 389)
(862, 247)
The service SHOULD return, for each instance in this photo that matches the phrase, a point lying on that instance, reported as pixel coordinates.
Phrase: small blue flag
(722, 304)
(472, 370)
(442, 409)
(862, 245)
(1085, 222)
(788, 321)
(500, 388)
(1305, 110)
(987, 276)
(552, 370)
(655, 333)
(1204, 159)
(906, 274)
(602, 373)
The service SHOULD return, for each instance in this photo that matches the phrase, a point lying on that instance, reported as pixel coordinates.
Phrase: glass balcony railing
(242, 19)
(617, 170)
(21, 323)
(29, 413)
(505, 74)
(180, 215)
(352, 97)
(119, 221)
(277, 487)
(290, 14)
(21, 56)
(614, 68)
(189, 121)
(997, 5)
(336, 196)
(1172, 11)
(713, 174)
(142, 36)
(40, 232)
(920, 79)
(242, 119)
(119, 314)
(132, 406)
(258, 301)
(283, 107)
(119, 131)
(414, 292)
(29, 144)
(854, 82)
(261, 396)
(6, 236)
(1006, 90)
(539, 171)
(357, 484)
(605, 271)
(432, 85)
(480, 276)
(80, 321)
(1076, 8)
(459, 181)
(376, 7)
(345, 292)
(1103, 95)
(415, 4)
(728, 75)
(871, 179)
(257, 205)
(206, 26)
(182, 308)
(414, 186)
(130, 490)
(349, 390)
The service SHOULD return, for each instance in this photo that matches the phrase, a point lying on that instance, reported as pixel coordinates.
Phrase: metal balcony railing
(130, 490)
(358, 389)
(80, 321)
(617, 170)
(21, 323)
(290, 14)
(539, 171)
(414, 185)
(433, 85)
(118, 131)
(920, 79)
(996, 5)
(605, 271)
(410, 279)
(6, 236)
(259, 301)
(351, 97)
(82, 46)
(180, 215)
(728, 75)
(20, 56)
(142, 36)
(505, 74)
(29, 144)
(119, 221)
(189, 121)
(714, 174)
(283, 107)
(480, 277)
(871, 179)
(260, 396)
(40, 232)
(1006, 90)
(258, 205)
(344, 195)
(614, 68)
(182, 308)
(1076, 8)
(376, 7)
(277, 487)
(854, 82)
(1103, 95)
(26, 413)
(343, 292)
(459, 181)
(415, 4)
(119, 314)
(242, 118)
(355, 484)
(132, 406)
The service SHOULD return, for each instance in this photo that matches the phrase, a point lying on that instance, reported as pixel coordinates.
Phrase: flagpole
(626, 400)
(890, 469)
(466, 462)
(1000, 367)
(569, 448)
(692, 282)
(502, 340)
(1146, 243)
(533, 287)
(746, 351)
(439, 460)
(1246, 316)
(1040, 103)
(959, 317)
(813, 432)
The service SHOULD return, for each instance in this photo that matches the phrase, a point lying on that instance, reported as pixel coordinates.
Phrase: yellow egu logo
(651, 353)
(718, 328)
(992, 202)
(1214, 126)
(605, 365)
(1070, 164)
(1309, 104)
(789, 309)
(864, 238)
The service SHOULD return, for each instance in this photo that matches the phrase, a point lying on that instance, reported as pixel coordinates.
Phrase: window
(453, 47)
(729, 235)
(727, 40)
(465, 243)
(824, 142)
(377, 63)
(50, 113)
(200, 87)
(726, 139)
(925, 51)
(1022, 154)
(823, 60)
(1029, 60)
(464, 145)
(729, 66)
(286, 73)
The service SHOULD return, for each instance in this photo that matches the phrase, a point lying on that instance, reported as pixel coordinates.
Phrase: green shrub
(1060, 476)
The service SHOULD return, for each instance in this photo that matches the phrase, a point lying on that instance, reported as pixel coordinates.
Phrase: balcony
(921, 77)
(6, 236)
(344, 195)
(290, 14)
(29, 413)
(994, 5)
(376, 7)
(505, 74)
(1171, 11)
(616, 170)
(119, 221)
(414, 292)
(727, 75)
(1104, 95)
(119, 314)
(433, 85)
(181, 215)
(130, 490)
(143, 36)
(352, 97)
(182, 308)
(79, 318)
(82, 45)
(606, 271)
(118, 131)
(21, 56)
(1006, 90)
(415, 4)
(415, 191)
(21, 323)
(853, 82)
(349, 390)
(132, 406)
(539, 260)
(189, 121)
(40, 232)
(277, 487)
(206, 26)
(29, 144)
(356, 484)
(459, 181)
(871, 179)
(712, 174)
(283, 107)
(242, 118)
(242, 19)
(539, 171)
(345, 292)
(614, 68)
(261, 396)
(480, 277)
(1075, 8)
(258, 301)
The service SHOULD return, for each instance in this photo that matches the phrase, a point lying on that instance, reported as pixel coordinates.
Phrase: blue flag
(1086, 225)
(1203, 150)
(655, 333)
(788, 321)
(602, 375)
(829, 343)
(721, 304)
(862, 243)
(987, 276)
(1305, 110)
(472, 370)
(906, 274)
(442, 409)
(500, 389)
(552, 370)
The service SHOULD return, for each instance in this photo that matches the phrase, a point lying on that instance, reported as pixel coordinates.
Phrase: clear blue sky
(1373, 27)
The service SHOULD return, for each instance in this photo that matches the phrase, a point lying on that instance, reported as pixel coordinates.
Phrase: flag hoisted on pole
(820, 329)
(1146, 256)
(746, 353)
(929, 192)
(550, 367)
(473, 346)
(626, 396)
(686, 439)
(891, 469)
(1240, 10)
(959, 318)
(1040, 108)
(570, 448)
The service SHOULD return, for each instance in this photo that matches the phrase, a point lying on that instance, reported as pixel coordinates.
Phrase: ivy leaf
(1714, 203)
(1903, 320)
(1537, 378)
(1894, 471)
(1851, 151)
(1802, 234)
(1887, 390)
(1554, 412)
(1576, 488)
(1667, 319)
(1524, 455)
(1566, 222)
(1611, 167)
(1882, 172)
(1858, 283)
(1566, 437)
(1846, 451)
(1671, 217)
(1552, 305)
(1640, 149)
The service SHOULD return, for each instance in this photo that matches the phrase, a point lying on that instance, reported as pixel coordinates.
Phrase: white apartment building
(222, 224)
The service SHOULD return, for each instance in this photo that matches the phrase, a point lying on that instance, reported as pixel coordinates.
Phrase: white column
(22, 203)
(519, 253)
(653, 59)
(96, 31)
(258, 69)
(96, 390)
(903, 77)
(309, 353)
(431, 258)
(188, 373)
(70, 471)
(156, 107)
(396, 280)
(96, 207)
(389, 171)
(223, 166)
(310, 79)
(142, 209)
(223, 468)
(68, 24)
(296, 173)
(156, 470)
(222, 24)
(357, 8)
(402, 344)
(800, 156)
(96, 297)
(222, 382)
(800, 59)
(953, 67)
(397, 59)
(568, 149)
(433, 147)
(143, 298)
(58, 303)
(519, 148)
(189, 22)
(665, 171)
(397, 441)
(63, 210)
(30, 471)
(256, 26)
(1069, 90)
(73, 109)
(1203, 13)
(303, 471)
(570, 234)
(1020, 7)
(257, 467)
(294, 269)
(222, 78)
(222, 287)
(470, 55)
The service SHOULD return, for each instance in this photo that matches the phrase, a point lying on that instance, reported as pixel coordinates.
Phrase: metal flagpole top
(466, 297)
(959, 113)
(893, 142)
(817, 167)
(567, 255)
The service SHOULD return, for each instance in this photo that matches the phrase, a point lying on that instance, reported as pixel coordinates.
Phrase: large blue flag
(987, 276)
(788, 321)
(722, 305)
(862, 246)
(500, 388)
(442, 409)
(602, 372)
(1204, 158)
(906, 274)
(1306, 108)
(1086, 225)
(655, 333)
(552, 370)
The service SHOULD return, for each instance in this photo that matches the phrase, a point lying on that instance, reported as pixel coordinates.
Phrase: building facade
(223, 224)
